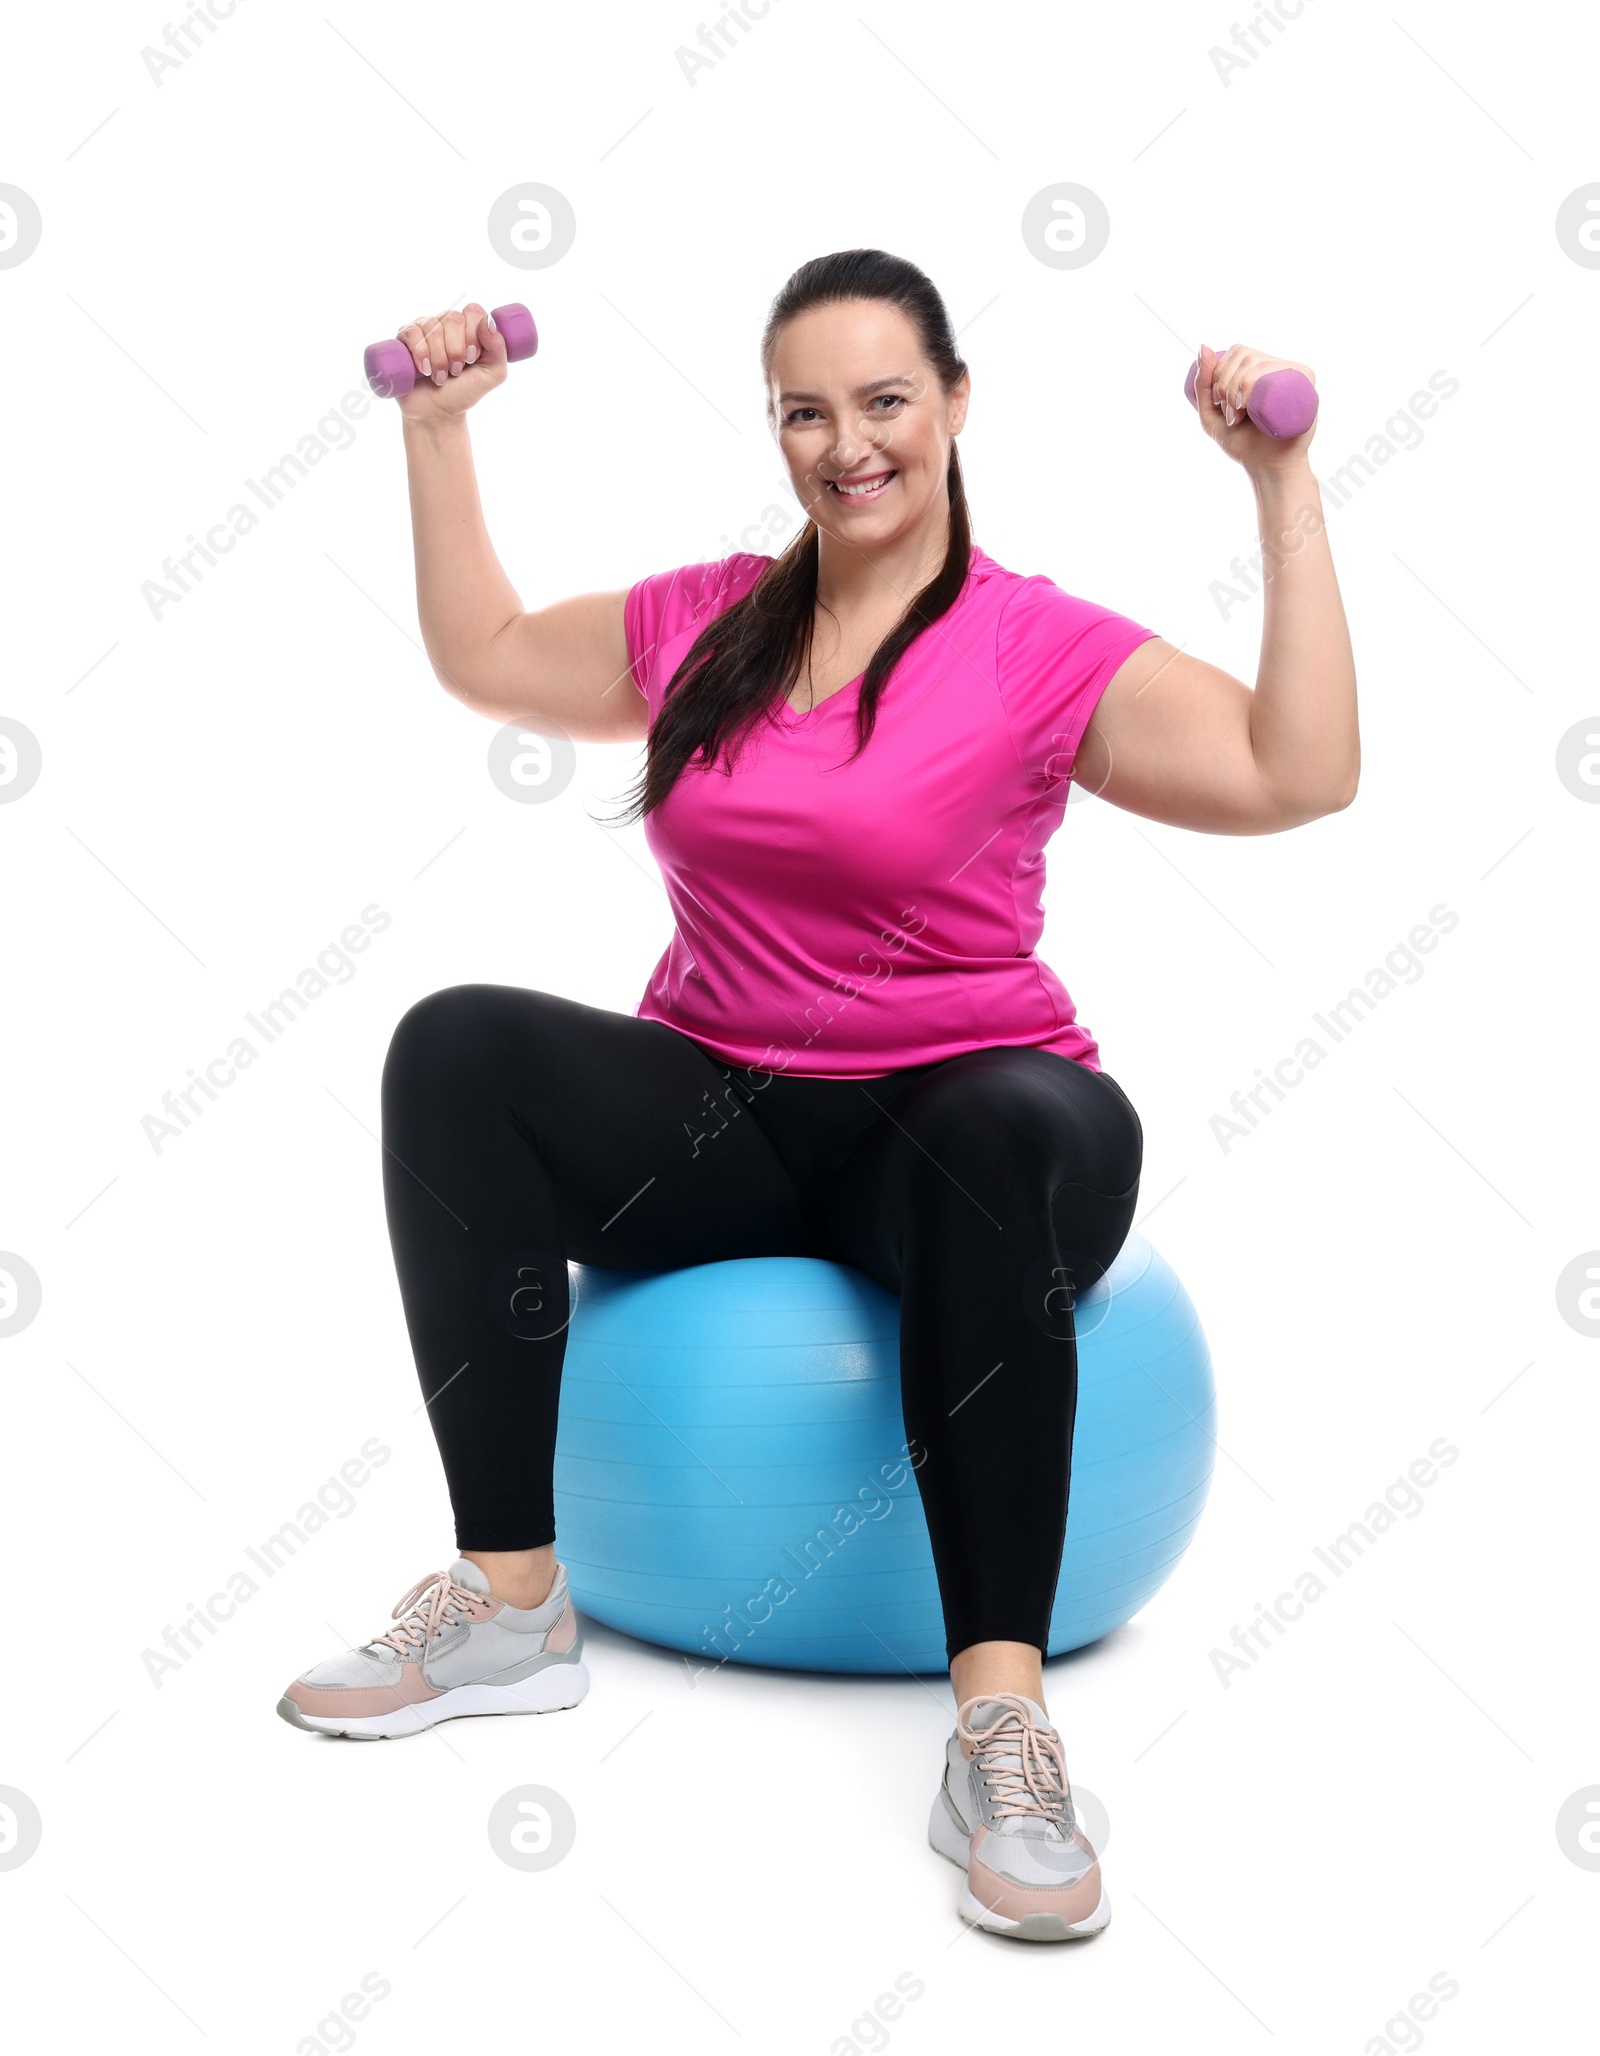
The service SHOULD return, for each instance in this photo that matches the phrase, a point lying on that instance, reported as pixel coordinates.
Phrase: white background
(225, 788)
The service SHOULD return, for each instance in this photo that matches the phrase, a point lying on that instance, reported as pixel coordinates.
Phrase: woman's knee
(1033, 1113)
(1051, 1160)
(454, 1030)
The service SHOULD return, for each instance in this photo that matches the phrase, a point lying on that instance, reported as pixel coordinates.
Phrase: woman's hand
(459, 358)
(1222, 391)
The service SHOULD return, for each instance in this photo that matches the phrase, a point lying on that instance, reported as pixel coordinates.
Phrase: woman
(856, 754)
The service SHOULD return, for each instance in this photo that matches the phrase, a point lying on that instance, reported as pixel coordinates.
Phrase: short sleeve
(664, 613)
(1054, 657)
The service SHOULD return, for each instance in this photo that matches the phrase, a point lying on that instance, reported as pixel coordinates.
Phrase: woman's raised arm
(1180, 741)
(565, 664)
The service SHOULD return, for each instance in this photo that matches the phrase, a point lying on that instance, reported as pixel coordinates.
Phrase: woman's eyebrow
(878, 385)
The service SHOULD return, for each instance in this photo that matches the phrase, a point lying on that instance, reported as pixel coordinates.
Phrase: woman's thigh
(499, 1098)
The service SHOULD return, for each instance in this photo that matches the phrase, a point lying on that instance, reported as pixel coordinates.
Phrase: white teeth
(854, 491)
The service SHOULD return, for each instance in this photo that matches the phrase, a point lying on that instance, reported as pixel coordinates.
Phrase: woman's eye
(800, 416)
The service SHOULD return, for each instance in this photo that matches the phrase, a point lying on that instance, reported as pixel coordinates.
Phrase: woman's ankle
(986, 1668)
(521, 1577)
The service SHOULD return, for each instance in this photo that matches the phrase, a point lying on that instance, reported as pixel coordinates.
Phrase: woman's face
(857, 405)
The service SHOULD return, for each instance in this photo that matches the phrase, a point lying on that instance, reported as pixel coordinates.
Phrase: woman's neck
(852, 580)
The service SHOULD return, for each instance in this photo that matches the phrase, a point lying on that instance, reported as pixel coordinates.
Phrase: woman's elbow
(1333, 797)
(1282, 808)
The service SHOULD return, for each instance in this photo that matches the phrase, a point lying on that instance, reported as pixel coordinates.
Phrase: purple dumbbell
(1282, 403)
(392, 372)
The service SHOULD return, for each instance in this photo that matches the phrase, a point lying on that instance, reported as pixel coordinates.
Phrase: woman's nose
(855, 443)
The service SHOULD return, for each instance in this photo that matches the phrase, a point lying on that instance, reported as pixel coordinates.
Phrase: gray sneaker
(457, 1650)
(1004, 1813)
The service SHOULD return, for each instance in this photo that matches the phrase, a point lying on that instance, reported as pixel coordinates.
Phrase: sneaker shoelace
(432, 1601)
(1025, 1771)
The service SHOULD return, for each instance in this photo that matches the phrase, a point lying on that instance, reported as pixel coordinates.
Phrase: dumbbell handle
(392, 371)
(1282, 403)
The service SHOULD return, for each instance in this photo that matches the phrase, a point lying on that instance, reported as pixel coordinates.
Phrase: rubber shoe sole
(950, 1838)
(547, 1691)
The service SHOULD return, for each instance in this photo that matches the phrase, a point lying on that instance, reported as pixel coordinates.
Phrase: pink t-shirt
(843, 920)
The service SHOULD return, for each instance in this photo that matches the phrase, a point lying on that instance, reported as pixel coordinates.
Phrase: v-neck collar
(795, 717)
(792, 717)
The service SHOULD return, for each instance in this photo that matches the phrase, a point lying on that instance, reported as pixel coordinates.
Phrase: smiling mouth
(858, 492)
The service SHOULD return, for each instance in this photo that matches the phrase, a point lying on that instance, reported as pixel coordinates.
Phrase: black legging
(521, 1130)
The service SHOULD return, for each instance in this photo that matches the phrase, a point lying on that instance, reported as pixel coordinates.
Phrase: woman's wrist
(435, 431)
(1276, 482)
(1288, 513)
(1288, 506)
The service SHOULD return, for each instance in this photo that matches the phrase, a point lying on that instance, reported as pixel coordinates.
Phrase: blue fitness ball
(731, 1474)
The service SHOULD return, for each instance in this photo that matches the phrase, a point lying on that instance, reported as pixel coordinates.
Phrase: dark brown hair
(746, 660)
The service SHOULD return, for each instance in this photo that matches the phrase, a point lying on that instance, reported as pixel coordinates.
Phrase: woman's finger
(414, 336)
(1204, 382)
(473, 320)
(1224, 381)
